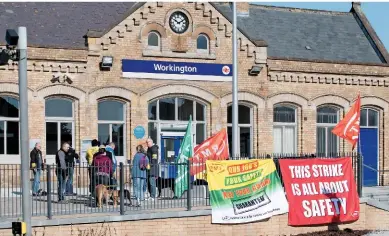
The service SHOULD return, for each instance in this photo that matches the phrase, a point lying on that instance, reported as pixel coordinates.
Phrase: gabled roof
(308, 34)
(288, 32)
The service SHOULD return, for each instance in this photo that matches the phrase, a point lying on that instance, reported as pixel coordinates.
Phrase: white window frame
(6, 120)
(326, 126)
(160, 122)
(208, 44)
(115, 122)
(50, 158)
(245, 126)
(283, 125)
(159, 41)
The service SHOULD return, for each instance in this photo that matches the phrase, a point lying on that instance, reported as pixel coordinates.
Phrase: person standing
(89, 158)
(70, 159)
(36, 165)
(61, 170)
(152, 154)
(110, 149)
(139, 173)
(101, 170)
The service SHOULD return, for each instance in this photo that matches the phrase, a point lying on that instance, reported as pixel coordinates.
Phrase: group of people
(102, 165)
(145, 171)
(65, 159)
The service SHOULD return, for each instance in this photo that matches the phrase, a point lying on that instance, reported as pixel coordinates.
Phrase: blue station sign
(176, 70)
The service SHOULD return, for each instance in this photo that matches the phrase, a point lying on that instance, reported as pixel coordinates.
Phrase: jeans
(152, 186)
(61, 176)
(69, 181)
(139, 188)
(37, 180)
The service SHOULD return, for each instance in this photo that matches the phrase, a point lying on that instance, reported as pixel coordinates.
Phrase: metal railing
(79, 197)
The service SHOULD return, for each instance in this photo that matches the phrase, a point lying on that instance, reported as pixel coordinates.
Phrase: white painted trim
(175, 134)
(177, 77)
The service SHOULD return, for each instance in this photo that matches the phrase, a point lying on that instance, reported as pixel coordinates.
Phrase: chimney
(242, 9)
(356, 5)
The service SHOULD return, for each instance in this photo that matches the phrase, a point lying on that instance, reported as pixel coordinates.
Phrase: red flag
(214, 148)
(348, 128)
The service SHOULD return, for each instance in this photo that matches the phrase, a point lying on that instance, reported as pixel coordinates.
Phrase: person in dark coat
(36, 165)
(61, 170)
(153, 173)
(71, 157)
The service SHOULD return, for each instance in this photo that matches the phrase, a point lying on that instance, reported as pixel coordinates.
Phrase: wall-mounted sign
(85, 144)
(176, 70)
(139, 132)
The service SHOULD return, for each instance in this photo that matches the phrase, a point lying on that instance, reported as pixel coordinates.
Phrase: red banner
(214, 148)
(320, 191)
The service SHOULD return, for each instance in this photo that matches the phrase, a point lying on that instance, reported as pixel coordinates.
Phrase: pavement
(82, 203)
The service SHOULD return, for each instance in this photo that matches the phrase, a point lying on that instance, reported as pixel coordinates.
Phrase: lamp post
(234, 84)
(24, 156)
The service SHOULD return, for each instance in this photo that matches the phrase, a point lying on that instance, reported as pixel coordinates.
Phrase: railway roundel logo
(226, 70)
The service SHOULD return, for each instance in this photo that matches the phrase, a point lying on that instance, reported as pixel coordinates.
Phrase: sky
(376, 12)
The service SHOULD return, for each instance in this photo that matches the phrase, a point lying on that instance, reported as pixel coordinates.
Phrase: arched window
(153, 40)
(59, 117)
(326, 141)
(202, 42)
(112, 125)
(284, 129)
(245, 130)
(172, 114)
(9, 126)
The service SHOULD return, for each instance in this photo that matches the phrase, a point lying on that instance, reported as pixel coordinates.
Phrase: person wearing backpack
(140, 164)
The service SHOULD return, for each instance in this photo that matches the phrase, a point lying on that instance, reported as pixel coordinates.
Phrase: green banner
(186, 151)
(244, 191)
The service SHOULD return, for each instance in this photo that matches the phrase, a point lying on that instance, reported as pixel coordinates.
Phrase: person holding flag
(349, 127)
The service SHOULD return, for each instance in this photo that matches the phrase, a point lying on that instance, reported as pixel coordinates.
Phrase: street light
(16, 50)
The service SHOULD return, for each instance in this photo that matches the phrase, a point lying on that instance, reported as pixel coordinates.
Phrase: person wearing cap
(102, 169)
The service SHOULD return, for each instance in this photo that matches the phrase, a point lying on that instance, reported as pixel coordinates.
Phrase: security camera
(11, 37)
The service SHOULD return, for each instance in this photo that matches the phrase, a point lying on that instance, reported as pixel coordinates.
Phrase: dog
(165, 183)
(102, 192)
(127, 196)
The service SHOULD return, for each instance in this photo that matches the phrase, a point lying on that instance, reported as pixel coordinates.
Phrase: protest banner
(321, 191)
(244, 191)
(213, 148)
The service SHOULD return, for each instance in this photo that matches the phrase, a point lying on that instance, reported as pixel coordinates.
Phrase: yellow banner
(237, 173)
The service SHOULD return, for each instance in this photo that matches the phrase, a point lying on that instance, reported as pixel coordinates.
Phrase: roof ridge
(299, 10)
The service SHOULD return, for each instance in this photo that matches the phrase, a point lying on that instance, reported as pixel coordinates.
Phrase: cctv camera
(11, 37)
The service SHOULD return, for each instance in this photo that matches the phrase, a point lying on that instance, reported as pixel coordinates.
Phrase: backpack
(143, 162)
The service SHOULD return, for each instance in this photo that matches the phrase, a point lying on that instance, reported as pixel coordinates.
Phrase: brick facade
(371, 218)
(303, 84)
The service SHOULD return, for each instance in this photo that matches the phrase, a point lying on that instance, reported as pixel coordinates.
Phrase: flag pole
(360, 157)
(234, 85)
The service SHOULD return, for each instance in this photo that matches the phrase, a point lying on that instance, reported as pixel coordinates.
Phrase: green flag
(186, 151)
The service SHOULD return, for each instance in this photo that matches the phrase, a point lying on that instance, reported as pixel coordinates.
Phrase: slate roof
(289, 33)
(333, 36)
(60, 24)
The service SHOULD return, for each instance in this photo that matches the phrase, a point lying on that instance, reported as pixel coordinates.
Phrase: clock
(178, 22)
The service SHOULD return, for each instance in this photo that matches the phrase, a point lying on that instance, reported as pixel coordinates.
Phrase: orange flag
(214, 148)
(348, 128)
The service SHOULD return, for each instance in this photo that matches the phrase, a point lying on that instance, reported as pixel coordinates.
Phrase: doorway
(170, 147)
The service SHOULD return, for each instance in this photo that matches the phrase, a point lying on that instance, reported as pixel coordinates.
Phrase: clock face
(179, 22)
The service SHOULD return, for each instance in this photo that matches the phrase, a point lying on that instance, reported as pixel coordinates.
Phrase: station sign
(147, 69)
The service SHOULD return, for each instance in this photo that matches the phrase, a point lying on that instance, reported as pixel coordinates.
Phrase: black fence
(79, 189)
